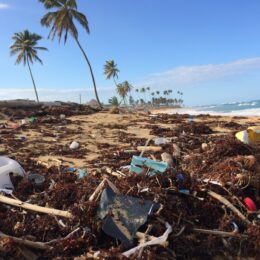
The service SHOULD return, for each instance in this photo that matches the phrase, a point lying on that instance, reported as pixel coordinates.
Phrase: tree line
(124, 91)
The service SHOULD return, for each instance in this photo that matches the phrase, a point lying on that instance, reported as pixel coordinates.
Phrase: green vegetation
(25, 46)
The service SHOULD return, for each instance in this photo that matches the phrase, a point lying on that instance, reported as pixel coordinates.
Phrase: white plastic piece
(245, 137)
(74, 145)
(62, 116)
(8, 166)
(160, 140)
(156, 241)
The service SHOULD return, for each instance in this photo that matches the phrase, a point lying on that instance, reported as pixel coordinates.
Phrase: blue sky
(210, 50)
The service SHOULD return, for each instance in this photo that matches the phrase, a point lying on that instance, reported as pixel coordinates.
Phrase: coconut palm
(122, 91)
(143, 90)
(111, 70)
(61, 21)
(127, 86)
(113, 101)
(26, 46)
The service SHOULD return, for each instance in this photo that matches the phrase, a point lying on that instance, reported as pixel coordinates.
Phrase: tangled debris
(200, 197)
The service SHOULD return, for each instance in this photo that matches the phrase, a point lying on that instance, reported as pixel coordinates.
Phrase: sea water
(251, 108)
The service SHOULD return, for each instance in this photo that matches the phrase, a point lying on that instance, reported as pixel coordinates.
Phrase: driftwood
(219, 233)
(25, 242)
(229, 205)
(24, 205)
(149, 149)
(101, 186)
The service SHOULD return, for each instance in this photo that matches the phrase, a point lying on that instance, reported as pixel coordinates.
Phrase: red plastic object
(250, 204)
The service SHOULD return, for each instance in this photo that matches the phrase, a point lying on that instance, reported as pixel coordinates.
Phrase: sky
(209, 50)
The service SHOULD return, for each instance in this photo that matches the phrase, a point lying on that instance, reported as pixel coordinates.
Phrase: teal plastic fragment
(155, 167)
(32, 119)
(81, 173)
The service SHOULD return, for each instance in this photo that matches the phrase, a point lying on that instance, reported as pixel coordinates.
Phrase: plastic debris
(154, 167)
(184, 191)
(32, 119)
(176, 151)
(23, 138)
(166, 157)
(74, 145)
(180, 177)
(36, 179)
(250, 204)
(62, 116)
(8, 166)
(249, 136)
(81, 173)
(204, 147)
(161, 140)
(123, 215)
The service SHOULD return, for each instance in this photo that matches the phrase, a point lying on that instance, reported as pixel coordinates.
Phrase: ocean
(251, 108)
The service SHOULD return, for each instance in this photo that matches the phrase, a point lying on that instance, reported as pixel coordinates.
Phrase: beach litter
(123, 215)
(36, 179)
(153, 167)
(7, 167)
(200, 209)
(74, 145)
(250, 136)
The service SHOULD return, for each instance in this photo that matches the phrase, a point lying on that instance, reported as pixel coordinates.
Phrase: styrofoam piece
(8, 166)
(74, 145)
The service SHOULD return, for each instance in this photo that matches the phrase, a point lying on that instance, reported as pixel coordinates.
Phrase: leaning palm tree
(61, 21)
(26, 46)
(111, 70)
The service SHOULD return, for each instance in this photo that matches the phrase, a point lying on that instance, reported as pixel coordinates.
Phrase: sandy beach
(212, 165)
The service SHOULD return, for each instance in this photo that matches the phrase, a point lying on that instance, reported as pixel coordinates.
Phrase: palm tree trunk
(91, 72)
(35, 90)
(115, 81)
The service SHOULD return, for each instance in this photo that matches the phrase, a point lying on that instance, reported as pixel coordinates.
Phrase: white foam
(194, 111)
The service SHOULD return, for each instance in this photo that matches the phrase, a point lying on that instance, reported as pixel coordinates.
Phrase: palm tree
(111, 70)
(128, 86)
(61, 22)
(26, 46)
(113, 101)
(122, 91)
(143, 90)
(158, 92)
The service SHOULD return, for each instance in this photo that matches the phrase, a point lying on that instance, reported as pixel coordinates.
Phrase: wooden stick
(220, 233)
(24, 205)
(101, 186)
(97, 190)
(25, 242)
(229, 205)
(63, 238)
(143, 149)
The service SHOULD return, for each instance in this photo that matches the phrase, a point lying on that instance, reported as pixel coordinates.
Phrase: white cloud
(47, 94)
(4, 6)
(191, 75)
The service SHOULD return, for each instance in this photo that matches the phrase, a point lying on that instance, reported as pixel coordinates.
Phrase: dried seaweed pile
(201, 197)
